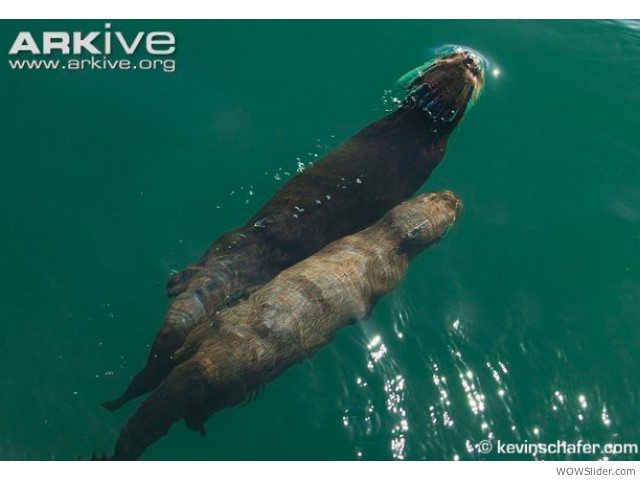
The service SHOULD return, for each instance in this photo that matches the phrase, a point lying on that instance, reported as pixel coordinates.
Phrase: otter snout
(425, 219)
(472, 62)
(445, 87)
(450, 202)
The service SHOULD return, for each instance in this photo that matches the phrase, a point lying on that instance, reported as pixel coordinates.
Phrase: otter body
(285, 322)
(348, 190)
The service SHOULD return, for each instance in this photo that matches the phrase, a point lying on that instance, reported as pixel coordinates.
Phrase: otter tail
(150, 422)
(185, 312)
(156, 370)
(181, 395)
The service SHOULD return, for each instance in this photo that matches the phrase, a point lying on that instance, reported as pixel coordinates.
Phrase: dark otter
(224, 362)
(348, 190)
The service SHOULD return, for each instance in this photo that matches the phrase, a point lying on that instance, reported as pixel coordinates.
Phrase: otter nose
(451, 201)
(472, 62)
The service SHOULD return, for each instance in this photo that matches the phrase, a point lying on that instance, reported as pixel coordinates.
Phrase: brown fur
(287, 320)
(348, 190)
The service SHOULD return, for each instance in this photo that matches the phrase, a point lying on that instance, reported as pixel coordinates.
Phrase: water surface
(521, 326)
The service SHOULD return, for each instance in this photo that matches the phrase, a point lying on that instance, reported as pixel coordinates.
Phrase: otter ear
(407, 244)
(413, 233)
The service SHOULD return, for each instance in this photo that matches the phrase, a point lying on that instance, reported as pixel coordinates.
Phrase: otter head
(445, 88)
(424, 220)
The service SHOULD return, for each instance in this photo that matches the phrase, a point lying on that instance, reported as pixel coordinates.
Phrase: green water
(522, 325)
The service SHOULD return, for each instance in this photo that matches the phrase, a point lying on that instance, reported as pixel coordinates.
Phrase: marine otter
(346, 191)
(224, 361)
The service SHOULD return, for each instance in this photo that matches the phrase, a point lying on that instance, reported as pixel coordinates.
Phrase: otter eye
(472, 64)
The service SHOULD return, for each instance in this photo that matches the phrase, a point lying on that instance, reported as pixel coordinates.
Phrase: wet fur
(226, 361)
(348, 190)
